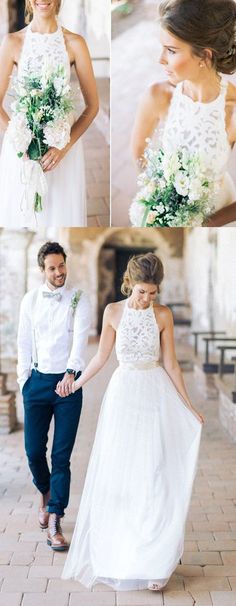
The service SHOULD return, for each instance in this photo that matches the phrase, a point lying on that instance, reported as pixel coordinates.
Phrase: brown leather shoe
(43, 515)
(55, 537)
(43, 518)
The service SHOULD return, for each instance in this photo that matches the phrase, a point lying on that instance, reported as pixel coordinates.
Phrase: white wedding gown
(130, 525)
(64, 205)
(200, 128)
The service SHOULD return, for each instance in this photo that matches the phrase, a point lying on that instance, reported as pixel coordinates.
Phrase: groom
(52, 337)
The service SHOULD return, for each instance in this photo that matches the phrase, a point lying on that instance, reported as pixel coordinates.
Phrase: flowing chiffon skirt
(130, 525)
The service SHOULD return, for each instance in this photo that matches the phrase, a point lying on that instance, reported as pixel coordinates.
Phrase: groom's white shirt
(60, 338)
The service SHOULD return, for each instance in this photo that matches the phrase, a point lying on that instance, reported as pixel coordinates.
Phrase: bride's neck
(205, 89)
(44, 26)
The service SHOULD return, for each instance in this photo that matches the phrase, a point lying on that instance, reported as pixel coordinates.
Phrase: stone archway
(112, 261)
(85, 246)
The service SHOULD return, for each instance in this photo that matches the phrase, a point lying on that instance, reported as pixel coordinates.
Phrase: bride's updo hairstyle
(145, 268)
(204, 24)
(29, 10)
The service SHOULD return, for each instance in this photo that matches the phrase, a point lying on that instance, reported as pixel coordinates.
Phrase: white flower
(59, 85)
(162, 184)
(19, 133)
(151, 186)
(46, 73)
(181, 183)
(34, 92)
(57, 133)
(136, 212)
(195, 189)
(21, 90)
(171, 165)
(160, 208)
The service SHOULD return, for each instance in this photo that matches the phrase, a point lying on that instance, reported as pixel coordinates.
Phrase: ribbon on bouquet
(35, 183)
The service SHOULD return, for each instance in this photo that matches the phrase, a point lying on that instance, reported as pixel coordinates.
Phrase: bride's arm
(84, 70)
(222, 217)
(6, 67)
(153, 106)
(170, 363)
(105, 347)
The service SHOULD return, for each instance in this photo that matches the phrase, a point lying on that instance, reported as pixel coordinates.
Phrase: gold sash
(139, 365)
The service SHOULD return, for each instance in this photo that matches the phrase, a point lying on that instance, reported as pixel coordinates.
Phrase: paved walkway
(30, 572)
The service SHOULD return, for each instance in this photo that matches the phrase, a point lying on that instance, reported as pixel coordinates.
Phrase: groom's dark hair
(50, 248)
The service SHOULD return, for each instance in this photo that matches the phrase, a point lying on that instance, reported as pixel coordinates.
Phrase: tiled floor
(30, 572)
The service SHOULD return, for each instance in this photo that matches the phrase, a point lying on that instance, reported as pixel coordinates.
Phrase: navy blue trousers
(41, 403)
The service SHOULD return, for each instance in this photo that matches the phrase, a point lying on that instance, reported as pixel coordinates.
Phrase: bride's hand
(198, 416)
(52, 158)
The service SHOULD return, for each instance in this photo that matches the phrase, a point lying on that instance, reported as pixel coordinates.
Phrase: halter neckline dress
(200, 128)
(131, 520)
(64, 205)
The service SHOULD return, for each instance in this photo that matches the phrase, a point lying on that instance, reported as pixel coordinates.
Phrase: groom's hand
(64, 387)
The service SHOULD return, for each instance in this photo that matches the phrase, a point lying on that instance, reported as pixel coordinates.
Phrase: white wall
(210, 274)
(91, 19)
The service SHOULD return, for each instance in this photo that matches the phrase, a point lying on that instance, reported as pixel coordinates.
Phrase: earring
(201, 64)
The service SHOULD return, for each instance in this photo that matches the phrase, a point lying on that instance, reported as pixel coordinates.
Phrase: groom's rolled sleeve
(82, 323)
(24, 343)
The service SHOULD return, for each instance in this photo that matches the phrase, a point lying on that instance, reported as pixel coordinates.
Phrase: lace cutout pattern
(199, 127)
(138, 337)
(43, 49)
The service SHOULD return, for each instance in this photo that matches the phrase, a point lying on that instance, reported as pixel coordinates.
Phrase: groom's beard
(56, 282)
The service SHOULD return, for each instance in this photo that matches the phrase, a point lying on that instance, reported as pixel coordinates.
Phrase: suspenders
(74, 302)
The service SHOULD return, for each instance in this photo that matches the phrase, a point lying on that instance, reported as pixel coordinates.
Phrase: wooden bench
(234, 391)
(212, 367)
(222, 349)
(200, 333)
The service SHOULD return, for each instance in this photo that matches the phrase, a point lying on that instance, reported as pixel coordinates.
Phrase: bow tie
(52, 295)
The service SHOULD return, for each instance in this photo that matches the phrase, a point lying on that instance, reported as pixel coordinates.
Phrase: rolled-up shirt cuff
(75, 365)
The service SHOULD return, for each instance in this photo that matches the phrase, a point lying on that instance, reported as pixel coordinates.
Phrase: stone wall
(210, 277)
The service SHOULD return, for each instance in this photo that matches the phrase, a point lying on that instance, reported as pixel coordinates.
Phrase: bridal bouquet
(40, 120)
(175, 191)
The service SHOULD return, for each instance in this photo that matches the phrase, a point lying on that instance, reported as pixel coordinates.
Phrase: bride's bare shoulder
(231, 92)
(12, 44)
(163, 314)
(14, 38)
(159, 95)
(114, 308)
(73, 38)
(113, 313)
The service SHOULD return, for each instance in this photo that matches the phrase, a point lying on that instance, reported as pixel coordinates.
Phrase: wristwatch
(70, 371)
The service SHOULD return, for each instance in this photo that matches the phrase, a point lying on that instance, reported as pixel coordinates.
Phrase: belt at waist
(139, 365)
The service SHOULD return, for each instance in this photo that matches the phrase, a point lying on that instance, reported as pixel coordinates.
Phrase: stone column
(13, 284)
(8, 420)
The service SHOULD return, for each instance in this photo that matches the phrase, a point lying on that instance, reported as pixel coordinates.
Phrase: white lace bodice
(40, 50)
(137, 337)
(199, 128)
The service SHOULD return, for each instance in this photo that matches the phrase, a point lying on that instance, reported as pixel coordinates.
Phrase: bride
(45, 42)
(196, 107)
(130, 527)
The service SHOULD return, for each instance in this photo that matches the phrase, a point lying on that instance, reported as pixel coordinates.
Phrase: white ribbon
(34, 181)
